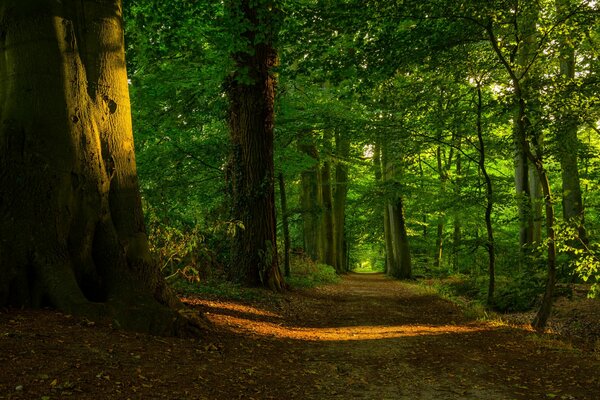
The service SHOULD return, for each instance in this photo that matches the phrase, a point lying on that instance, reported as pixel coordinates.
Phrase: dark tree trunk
(387, 235)
(286, 226)
(251, 94)
(72, 234)
(310, 200)
(327, 223)
(541, 318)
(405, 263)
(489, 203)
(339, 201)
(457, 234)
(400, 263)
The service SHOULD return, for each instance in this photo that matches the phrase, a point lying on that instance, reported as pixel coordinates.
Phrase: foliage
(305, 273)
(516, 293)
(584, 261)
(401, 72)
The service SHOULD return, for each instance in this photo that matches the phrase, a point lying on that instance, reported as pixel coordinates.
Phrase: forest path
(368, 337)
(371, 337)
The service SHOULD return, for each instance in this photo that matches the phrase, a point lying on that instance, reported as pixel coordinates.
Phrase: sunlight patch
(348, 333)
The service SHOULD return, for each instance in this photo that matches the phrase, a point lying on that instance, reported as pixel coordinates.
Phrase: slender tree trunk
(541, 318)
(327, 223)
(489, 203)
(72, 234)
(439, 242)
(527, 47)
(251, 94)
(457, 235)
(391, 239)
(537, 199)
(405, 270)
(311, 204)
(286, 226)
(422, 187)
(379, 178)
(339, 201)
(567, 136)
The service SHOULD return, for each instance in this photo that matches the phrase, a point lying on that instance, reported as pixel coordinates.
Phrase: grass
(221, 289)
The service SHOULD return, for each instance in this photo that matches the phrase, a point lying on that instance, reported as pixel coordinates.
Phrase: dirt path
(367, 338)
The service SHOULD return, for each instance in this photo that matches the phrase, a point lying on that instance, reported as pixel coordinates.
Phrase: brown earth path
(368, 337)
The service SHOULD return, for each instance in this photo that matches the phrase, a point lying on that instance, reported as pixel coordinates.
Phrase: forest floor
(368, 337)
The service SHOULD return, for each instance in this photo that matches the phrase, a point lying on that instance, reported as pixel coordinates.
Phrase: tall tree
(342, 147)
(401, 265)
(567, 129)
(251, 92)
(72, 233)
(328, 248)
(310, 202)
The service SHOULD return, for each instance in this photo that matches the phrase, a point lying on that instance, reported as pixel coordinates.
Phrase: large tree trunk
(401, 265)
(339, 201)
(72, 234)
(310, 201)
(251, 94)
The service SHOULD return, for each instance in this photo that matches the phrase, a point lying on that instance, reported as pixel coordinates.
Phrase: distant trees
(464, 110)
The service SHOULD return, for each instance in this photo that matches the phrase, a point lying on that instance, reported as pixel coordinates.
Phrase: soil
(368, 337)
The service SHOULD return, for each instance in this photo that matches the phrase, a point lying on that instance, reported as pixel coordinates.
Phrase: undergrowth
(513, 294)
(305, 273)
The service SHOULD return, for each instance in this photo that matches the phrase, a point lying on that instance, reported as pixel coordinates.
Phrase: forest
(379, 199)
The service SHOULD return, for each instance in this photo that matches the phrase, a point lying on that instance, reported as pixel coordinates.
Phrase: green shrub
(518, 293)
(306, 273)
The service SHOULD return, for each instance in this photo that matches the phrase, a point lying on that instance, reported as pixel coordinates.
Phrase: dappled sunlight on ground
(215, 306)
(349, 333)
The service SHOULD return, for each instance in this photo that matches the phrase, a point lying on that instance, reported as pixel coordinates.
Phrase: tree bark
(567, 136)
(527, 21)
(327, 222)
(379, 178)
(251, 93)
(489, 203)
(457, 234)
(339, 200)
(439, 242)
(401, 265)
(310, 200)
(286, 226)
(541, 318)
(72, 234)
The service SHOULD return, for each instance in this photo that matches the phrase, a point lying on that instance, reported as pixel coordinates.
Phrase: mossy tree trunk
(566, 132)
(72, 234)
(251, 94)
(342, 145)
(285, 226)
(401, 264)
(489, 201)
(328, 249)
(387, 236)
(310, 201)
